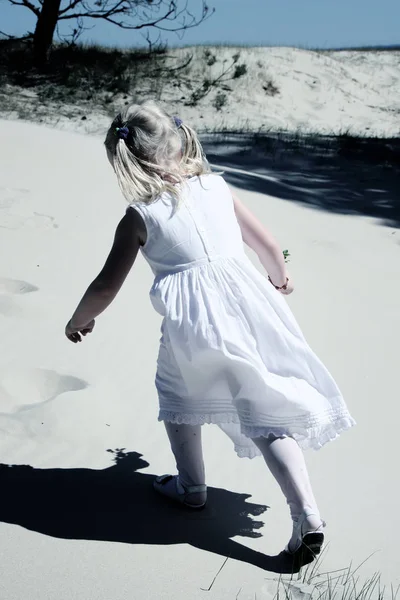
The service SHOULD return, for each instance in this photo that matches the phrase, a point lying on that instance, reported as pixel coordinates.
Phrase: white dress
(231, 352)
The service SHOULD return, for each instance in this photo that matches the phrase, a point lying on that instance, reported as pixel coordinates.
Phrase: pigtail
(194, 161)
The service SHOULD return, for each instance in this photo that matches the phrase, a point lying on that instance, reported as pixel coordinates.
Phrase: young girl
(231, 352)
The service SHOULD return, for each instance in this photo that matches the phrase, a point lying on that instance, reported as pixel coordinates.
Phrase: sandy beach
(79, 438)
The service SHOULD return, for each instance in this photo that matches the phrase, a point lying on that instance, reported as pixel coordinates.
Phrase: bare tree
(163, 15)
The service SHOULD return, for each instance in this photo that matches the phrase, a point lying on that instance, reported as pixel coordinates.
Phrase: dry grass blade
(213, 581)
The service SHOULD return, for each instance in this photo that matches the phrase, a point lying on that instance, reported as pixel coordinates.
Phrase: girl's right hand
(74, 333)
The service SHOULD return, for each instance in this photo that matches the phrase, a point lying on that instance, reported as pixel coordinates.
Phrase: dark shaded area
(378, 48)
(118, 504)
(77, 72)
(344, 174)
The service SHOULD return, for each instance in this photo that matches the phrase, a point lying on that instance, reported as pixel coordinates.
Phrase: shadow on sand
(118, 504)
(343, 175)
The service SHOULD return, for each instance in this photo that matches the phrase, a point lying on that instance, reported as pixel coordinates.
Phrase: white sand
(62, 406)
(353, 92)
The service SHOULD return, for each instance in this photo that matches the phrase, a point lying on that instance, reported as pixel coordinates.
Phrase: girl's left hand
(74, 333)
(289, 289)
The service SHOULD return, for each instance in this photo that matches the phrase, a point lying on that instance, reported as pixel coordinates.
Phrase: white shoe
(307, 534)
(171, 487)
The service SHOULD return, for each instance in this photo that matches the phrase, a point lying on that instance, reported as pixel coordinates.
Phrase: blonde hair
(154, 154)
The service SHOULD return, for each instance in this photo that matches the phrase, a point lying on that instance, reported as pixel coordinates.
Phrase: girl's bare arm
(259, 239)
(129, 236)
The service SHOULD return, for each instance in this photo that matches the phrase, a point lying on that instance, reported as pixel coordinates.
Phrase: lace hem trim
(314, 437)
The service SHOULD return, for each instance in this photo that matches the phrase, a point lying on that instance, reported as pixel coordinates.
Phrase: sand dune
(279, 89)
(79, 440)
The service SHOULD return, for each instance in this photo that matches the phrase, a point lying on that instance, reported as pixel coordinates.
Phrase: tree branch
(71, 6)
(113, 10)
(119, 7)
(27, 4)
(7, 35)
(76, 32)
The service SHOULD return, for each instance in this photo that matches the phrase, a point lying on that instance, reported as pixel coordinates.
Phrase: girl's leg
(186, 446)
(286, 462)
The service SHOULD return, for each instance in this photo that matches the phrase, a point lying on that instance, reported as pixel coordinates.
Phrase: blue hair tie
(122, 132)
(178, 122)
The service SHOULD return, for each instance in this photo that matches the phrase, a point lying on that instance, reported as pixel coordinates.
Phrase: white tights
(286, 462)
(283, 456)
(186, 446)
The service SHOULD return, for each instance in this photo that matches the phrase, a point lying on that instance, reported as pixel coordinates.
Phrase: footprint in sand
(21, 390)
(9, 196)
(11, 217)
(10, 288)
